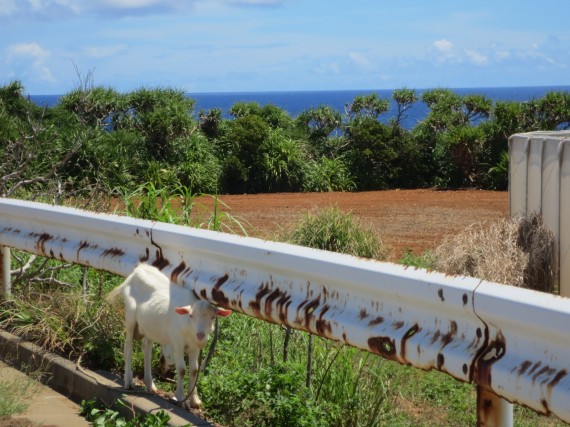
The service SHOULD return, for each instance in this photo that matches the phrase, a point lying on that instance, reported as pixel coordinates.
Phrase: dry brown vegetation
(517, 252)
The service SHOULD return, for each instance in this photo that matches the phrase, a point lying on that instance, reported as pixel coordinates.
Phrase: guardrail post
(493, 411)
(6, 290)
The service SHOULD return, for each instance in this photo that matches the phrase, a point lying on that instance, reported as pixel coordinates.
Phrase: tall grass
(177, 204)
(334, 230)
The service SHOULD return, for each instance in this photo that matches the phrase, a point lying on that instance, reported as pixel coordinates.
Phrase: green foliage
(35, 154)
(211, 122)
(93, 106)
(456, 156)
(271, 396)
(242, 109)
(373, 154)
(161, 116)
(456, 397)
(497, 176)
(199, 168)
(276, 117)
(100, 415)
(176, 205)
(64, 323)
(96, 138)
(327, 174)
(477, 107)
(118, 159)
(244, 146)
(419, 261)
(337, 231)
(164, 204)
(405, 99)
(319, 123)
(284, 163)
(554, 110)
(367, 106)
(12, 101)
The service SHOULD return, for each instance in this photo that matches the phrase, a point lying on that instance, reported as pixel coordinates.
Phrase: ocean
(296, 102)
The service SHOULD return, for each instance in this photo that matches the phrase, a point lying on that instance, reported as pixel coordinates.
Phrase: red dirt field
(414, 220)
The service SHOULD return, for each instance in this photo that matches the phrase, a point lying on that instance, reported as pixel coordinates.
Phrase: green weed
(103, 416)
(426, 260)
(15, 395)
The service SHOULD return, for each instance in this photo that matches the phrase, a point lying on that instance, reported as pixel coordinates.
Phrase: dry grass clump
(517, 252)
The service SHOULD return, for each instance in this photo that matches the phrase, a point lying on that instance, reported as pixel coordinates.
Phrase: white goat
(170, 315)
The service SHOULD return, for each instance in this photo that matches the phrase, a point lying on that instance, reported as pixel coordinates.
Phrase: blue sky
(283, 45)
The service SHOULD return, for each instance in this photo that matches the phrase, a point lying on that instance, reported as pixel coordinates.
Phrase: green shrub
(273, 396)
(336, 231)
(284, 163)
(328, 175)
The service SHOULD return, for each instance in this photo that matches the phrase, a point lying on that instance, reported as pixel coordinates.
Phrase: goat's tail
(114, 295)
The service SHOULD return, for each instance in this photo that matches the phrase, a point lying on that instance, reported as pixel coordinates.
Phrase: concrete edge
(64, 377)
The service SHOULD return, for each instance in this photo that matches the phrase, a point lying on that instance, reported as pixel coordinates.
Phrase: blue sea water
(296, 102)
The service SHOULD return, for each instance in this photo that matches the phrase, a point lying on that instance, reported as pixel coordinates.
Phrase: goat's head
(202, 314)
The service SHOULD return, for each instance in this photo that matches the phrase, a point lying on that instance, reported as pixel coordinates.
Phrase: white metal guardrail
(539, 181)
(510, 342)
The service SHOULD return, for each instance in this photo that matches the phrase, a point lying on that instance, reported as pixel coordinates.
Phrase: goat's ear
(183, 310)
(223, 312)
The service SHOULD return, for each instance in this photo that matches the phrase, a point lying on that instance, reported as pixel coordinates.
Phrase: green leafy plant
(103, 416)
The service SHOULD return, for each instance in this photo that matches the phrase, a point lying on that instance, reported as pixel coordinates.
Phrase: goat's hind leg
(147, 355)
(129, 385)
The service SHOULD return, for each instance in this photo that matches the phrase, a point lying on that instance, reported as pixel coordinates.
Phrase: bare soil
(405, 220)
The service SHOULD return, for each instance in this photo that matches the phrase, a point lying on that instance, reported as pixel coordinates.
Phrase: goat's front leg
(129, 359)
(193, 400)
(147, 354)
(178, 353)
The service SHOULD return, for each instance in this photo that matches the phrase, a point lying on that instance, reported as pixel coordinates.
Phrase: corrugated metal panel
(539, 181)
(564, 248)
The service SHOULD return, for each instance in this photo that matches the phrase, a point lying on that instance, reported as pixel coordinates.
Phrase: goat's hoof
(195, 403)
(191, 405)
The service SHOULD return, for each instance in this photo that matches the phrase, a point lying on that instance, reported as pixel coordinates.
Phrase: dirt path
(405, 219)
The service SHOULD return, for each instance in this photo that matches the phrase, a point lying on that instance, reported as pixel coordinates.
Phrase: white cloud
(476, 57)
(29, 59)
(39, 9)
(443, 45)
(359, 59)
(502, 54)
(32, 50)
